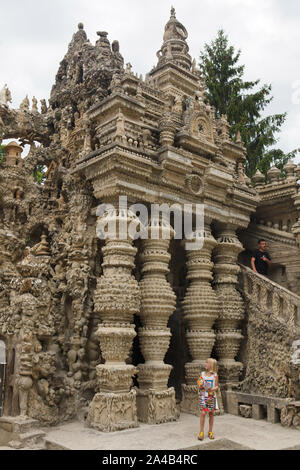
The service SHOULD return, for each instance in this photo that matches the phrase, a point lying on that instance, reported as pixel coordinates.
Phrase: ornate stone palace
(116, 332)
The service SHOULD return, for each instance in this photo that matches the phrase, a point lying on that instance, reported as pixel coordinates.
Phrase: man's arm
(267, 259)
(253, 264)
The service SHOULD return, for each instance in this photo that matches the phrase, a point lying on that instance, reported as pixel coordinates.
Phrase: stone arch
(201, 127)
(34, 233)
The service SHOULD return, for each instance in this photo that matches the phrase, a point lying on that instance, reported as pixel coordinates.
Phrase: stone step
(26, 426)
(33, 439)
(18, 425)
(52, 445)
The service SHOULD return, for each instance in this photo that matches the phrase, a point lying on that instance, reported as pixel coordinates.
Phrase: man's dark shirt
(261, 265)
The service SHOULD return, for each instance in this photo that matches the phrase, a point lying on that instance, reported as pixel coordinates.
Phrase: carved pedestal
(117, 299)
(201, 308)
(155, 402)
(232, 306)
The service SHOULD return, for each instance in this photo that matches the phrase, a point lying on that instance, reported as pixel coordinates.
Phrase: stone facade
(277, 219)
(89, 324)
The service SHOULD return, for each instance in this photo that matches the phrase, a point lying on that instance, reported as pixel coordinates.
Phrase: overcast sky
(34, 35)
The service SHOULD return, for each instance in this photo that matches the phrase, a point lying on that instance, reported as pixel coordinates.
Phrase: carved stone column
(155, 401)
(232, 305)
(201, 308)
(117, 299)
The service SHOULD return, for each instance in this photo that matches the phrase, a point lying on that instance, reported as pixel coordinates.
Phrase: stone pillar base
(111, 412)
(190, 400)
(153, 376)
(230, 401)
(156, 407)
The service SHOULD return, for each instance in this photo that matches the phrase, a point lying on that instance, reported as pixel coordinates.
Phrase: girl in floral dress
(208, 384)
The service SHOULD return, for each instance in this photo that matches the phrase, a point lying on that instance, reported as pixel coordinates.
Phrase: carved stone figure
(24, 384)
(34, 105)
(43, 106)
(24, 106)
(119, 61)
(5, 96)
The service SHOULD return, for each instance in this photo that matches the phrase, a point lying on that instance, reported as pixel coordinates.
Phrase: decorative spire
(289, 168)
(258, 179)
(175, 48)
(238, 139)
(273, 174)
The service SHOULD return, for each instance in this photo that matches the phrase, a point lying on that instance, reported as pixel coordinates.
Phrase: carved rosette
(158, 302)
(117, 299)
(229, 335)
(201, 308)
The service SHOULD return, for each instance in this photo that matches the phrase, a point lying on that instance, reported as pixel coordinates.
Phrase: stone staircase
(271, 349)
(270, 296)
(21, 433)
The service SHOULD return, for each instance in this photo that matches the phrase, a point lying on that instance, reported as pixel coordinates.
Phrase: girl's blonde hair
(213, 364)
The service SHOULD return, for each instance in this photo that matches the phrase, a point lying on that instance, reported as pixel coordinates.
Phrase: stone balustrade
(271, 351)
(272, 328)
(284, 225)
(271, 297)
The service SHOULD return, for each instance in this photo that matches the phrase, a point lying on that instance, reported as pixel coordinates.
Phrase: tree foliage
(244, 103)
(39, 174)
(2, 153)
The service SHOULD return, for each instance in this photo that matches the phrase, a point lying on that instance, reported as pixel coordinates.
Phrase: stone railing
(271, 298)
(270, 353)
(272, 329)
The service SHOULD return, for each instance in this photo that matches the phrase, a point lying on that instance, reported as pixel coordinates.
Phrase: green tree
(2, 153)
(39, 173)
(244, 103)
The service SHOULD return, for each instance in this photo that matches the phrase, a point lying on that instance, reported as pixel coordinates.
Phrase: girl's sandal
(210, 435)
(201, 436)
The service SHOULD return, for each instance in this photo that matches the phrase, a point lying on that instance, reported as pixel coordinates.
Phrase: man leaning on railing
(261, 260)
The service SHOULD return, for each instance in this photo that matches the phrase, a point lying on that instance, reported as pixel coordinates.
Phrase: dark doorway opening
(178, 353)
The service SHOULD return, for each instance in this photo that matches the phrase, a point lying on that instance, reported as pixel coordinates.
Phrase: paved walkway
(232, 432)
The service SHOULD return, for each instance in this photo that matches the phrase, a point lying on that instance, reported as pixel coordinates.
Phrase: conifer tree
(2, 152)
(244, 103)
